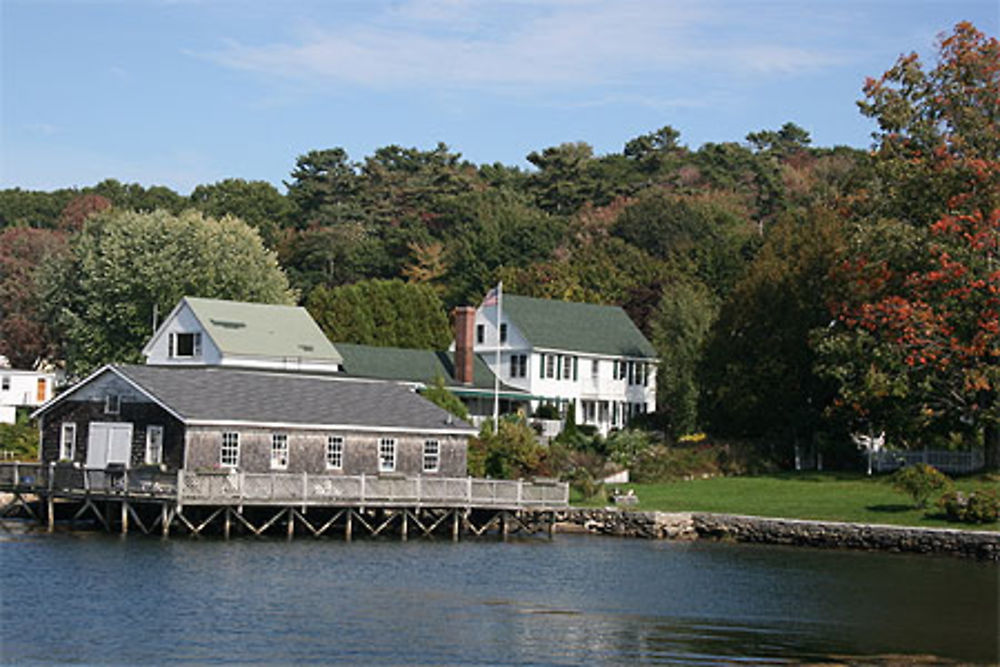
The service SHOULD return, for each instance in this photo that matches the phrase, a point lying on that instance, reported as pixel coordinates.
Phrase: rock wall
(983, 545)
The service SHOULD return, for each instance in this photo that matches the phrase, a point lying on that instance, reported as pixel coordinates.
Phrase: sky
(186, 92)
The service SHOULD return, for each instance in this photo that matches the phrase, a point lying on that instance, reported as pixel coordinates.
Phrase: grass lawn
(825, 496)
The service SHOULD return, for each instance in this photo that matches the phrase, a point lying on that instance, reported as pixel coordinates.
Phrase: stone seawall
(983, 545)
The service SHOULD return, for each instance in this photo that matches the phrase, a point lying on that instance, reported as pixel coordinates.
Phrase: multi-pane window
(335, 452)
(112, 404)
(387, 455)
(518, 365)
(279, 451)
(67, 441)
(550, 366)
(480, 334)
(595, 368)
(154, 445)
(432, 455)
(186, 345)
(503, 332)
(567, 364)
(229, 455)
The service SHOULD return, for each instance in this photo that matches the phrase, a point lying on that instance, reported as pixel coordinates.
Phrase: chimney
(465, 323)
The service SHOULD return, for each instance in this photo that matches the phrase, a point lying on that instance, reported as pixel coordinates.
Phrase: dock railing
(282, 488)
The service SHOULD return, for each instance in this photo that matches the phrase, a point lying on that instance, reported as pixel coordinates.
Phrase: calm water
(93, 598)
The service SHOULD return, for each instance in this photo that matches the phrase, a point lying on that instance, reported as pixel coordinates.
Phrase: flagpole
(496, 374)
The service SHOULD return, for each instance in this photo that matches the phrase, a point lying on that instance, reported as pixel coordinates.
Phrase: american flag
(491, 297)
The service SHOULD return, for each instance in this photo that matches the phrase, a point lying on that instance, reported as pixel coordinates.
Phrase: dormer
(212, 332)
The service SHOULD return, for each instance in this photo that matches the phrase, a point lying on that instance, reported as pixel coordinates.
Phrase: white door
(108, 442)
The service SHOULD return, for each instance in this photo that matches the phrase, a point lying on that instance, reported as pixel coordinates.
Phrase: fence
(943, 460)
(282, 488)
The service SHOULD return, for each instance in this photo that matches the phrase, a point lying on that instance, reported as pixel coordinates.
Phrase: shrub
(976, 507)
(920, 482)
(663, 464)
(547, 411)
(625, 447)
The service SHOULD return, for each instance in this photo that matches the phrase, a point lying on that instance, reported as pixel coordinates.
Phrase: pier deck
(250, 503)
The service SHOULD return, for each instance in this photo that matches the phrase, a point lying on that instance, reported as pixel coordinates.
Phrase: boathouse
(204, 419)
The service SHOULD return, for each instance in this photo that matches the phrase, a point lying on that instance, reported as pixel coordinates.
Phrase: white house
(23, 389)
(562, 352)
(212, 332)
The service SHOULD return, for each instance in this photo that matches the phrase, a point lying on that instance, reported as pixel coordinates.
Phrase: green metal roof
(576, 327)
(262, 330)
(408, 365)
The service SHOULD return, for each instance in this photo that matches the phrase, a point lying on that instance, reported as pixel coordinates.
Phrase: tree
(79, 209)
(257, 203)
(758, 371)
(438, 394)
(25, 335)
(325, 188)
(926, 318)
(680, 328)
(387, 313)
(124, 263)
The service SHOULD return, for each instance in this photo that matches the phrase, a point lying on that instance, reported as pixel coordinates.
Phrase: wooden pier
(230, 503)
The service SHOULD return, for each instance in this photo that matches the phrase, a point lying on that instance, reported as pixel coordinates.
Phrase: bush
(920, 482)
(625, 447)
(547, 411)
(663, 464)
(20, 438)
(976, 507)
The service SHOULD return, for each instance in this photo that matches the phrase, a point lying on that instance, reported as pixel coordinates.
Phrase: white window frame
(112, 404)
(387, 455)
(67, 454)
(335, 452)
(154, 445)
(229, 452)
(195, 344)
(432, 455)
(279, 451)
(550, 366)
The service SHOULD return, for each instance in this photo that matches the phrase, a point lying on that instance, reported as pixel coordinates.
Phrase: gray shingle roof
(218, 394)
(577, 327)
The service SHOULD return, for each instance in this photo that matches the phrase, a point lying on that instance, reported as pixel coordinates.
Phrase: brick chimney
(465, 323)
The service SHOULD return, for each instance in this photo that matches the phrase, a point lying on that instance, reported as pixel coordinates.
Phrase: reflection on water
(578, 599)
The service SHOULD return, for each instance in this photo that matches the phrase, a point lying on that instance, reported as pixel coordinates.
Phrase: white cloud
(512, 46)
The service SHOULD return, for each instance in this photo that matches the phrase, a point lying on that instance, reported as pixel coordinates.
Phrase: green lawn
(829, 496)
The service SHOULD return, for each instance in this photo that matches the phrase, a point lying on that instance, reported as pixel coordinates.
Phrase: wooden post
(291, 522)
(226, 523)
(165, 520)
(552, 525)
(454, 526)
(403, 527)
(50, 512)
(347, 524)
(124, 510)
(504, 525)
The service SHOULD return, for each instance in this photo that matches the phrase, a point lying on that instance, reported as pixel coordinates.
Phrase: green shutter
(576, 361)
(541, 366)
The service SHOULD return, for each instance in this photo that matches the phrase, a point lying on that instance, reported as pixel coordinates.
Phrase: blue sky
(182, 92)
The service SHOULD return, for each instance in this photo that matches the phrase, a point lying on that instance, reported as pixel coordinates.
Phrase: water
(93, 598)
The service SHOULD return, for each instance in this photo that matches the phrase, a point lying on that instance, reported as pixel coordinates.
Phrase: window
(112, 404)
(230, 453)
(186, 345)
(432, 455)
(550, 366)
(503, 332)
(595, 368)
(40, 390)
(5, 383)
(567, 364)
(154, 444)
(335, 452)
(279, 451)
(480, 333)
(387, 455)
(518, 365)
(67, 441)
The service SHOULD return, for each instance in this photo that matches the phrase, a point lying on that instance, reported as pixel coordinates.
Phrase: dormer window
(185, 345)
(112, 404)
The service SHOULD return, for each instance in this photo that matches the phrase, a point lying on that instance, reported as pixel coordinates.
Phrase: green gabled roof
(408, 365)
(576, 327)
(262, 330)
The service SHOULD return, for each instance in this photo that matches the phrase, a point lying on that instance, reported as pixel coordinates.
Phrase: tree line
(794, 293)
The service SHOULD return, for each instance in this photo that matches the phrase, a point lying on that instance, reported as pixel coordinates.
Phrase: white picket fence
(943, 460)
